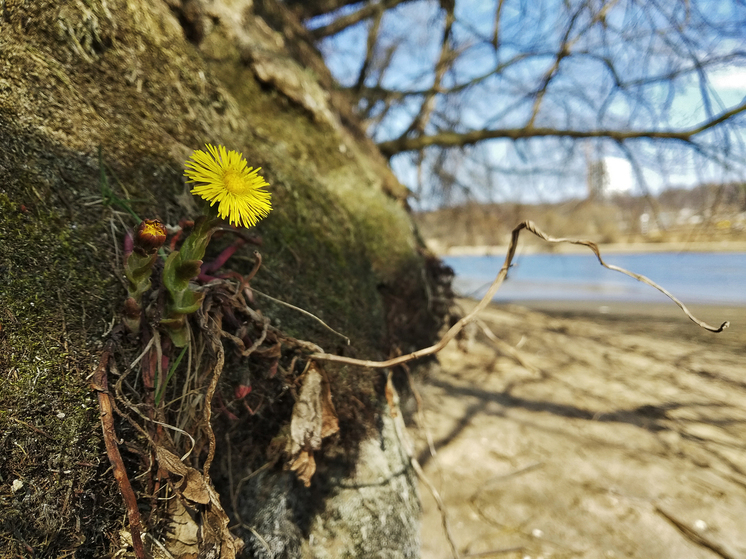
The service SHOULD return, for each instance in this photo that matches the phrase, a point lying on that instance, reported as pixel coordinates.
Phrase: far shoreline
(567, 248)
(714, 314)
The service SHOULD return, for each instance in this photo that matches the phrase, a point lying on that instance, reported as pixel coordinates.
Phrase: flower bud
(150, 236)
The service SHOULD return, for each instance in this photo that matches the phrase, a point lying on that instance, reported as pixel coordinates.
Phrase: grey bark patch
(371, 512)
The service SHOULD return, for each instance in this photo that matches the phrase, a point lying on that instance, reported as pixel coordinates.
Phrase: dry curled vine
(471, 317)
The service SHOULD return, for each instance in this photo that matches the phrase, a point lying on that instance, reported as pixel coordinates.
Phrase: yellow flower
(222, 176)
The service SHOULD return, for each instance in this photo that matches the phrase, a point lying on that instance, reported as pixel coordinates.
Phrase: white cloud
(620, 175)
(729, 80)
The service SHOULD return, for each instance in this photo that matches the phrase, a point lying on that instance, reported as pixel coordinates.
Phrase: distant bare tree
(478, 96)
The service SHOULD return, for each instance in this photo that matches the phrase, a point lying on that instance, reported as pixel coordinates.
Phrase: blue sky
(580, 96)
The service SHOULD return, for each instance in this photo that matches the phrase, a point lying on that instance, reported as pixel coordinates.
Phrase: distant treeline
(705, 213)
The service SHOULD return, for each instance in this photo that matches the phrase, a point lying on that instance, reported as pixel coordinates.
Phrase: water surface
(693, 277)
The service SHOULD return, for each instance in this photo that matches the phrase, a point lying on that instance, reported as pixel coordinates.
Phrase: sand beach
(589, 430)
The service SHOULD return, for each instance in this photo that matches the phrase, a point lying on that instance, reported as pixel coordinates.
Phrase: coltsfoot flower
(222, 176)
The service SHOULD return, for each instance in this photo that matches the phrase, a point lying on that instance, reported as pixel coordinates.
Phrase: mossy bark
(148, 82)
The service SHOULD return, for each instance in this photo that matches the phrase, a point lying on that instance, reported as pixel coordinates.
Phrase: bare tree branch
(370, 46)
(610, 71)
(562, 53)
(312, 8)
(343, 22)
(496, 34)
(444, 61)
(456, 139)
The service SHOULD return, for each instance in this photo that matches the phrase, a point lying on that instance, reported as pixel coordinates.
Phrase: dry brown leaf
(214, 538)
(313, 419)
(193, 485)
(304, 467)
(214, 533)
(171, 462)
(182, 533)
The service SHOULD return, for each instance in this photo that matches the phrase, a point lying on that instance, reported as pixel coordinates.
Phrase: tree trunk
(146, 83)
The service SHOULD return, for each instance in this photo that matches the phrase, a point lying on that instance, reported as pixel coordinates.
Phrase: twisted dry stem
(214, 339)
(456, 328)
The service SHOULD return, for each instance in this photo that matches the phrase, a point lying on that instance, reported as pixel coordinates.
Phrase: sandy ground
(623, 434)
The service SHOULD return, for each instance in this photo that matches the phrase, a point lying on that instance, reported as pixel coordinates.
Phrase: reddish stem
(100, 384)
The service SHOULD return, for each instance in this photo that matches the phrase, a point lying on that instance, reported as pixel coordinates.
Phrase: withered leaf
(169, 461)
(212, 521)
(270, 352)
(313, 419)
(193, 486)
(182, 533)
(304, 467)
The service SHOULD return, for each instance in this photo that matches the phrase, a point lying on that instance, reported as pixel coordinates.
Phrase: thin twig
(456, 328)
(343, 22)
(316, 318)
(100, 384)
(254, 270)
(439, 502)
(505, 347)
(291, 342)
(166, 553)
(33, 428)
(258, 537)
(143, 353)
(694, 536)
(492, 552)
(393, 400)
(237, 491)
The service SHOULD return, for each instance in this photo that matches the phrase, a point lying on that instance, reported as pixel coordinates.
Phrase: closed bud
(150, 236)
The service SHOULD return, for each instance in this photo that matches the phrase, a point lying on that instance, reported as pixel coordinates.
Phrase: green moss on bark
(50, 273)
(121, 75)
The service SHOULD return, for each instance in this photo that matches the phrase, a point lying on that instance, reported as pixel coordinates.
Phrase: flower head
(222, 176)
(149, 236)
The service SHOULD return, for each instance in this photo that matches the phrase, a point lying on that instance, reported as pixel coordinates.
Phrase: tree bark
(146, 83)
